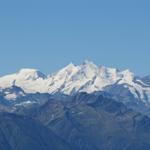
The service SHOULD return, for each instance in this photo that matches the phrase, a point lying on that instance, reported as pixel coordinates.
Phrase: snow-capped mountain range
(87, 77)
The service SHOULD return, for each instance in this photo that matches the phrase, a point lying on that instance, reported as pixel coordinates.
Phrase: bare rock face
(91, 122)
(22, 133)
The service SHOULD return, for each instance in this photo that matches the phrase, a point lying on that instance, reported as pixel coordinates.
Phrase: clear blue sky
(47, 35)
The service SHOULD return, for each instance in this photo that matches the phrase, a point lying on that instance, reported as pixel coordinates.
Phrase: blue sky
(47, 34)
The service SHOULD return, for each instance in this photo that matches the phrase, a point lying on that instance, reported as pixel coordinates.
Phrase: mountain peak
(70, 66)
(24, 70)
(33, 74)
(89, 63)
(128, 75)
(88, 66)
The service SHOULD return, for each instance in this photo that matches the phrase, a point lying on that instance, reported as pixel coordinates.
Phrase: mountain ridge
(124, 86)
(87, 70)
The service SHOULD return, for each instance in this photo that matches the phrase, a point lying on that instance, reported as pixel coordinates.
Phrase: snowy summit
(86, 77)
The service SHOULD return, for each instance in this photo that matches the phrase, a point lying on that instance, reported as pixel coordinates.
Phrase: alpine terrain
(80, 107)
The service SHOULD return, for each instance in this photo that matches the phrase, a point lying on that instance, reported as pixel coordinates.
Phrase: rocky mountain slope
(90, 122)
(24, 133)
